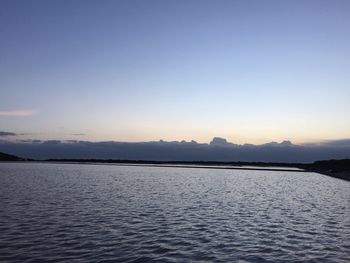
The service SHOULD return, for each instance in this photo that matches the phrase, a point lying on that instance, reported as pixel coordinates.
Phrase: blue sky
(249, 71)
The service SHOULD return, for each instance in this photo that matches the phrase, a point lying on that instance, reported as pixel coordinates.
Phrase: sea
(112, 213)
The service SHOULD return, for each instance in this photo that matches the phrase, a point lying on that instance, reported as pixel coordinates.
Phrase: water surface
(106, 213)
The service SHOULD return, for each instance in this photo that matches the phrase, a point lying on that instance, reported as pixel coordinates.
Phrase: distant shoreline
(335, 168)
(329, 169)
(196, 166)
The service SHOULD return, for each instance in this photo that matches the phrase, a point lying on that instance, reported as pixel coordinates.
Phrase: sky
(248, 71)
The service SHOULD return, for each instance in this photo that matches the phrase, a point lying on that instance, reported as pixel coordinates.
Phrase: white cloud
(17, 113)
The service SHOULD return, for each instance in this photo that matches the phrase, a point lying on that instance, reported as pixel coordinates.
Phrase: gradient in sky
(249, 71)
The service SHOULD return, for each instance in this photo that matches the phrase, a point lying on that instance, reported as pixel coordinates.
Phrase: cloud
(78, 134)
(221, 142)
(330, 143)
(176, 151)
(17, 113)
(3, 134)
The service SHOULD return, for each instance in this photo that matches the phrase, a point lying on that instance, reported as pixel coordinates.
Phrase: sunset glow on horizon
(248, 71)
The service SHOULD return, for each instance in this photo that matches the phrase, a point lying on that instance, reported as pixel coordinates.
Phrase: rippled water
(106, 213)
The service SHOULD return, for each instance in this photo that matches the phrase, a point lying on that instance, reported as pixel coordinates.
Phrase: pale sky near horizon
(249, 71)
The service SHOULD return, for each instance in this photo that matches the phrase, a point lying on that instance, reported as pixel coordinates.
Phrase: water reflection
(106, 213)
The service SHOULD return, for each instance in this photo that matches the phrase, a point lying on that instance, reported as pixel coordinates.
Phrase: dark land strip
(334, 168)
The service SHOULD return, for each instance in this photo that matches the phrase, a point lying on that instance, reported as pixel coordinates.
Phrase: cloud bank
(217, 150)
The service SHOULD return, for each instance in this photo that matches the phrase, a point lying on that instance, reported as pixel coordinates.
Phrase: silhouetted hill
(9, 157)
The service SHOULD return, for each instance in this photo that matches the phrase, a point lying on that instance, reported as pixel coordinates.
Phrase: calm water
(101, 213)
